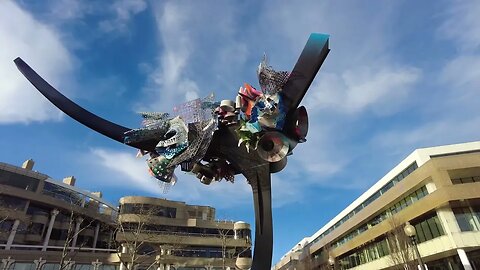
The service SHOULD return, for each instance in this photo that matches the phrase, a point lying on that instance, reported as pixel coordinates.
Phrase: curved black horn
(305, 70)
(105, 127)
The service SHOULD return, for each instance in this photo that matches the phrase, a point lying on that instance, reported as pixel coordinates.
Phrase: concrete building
(435, 189)
(44, 222)
(182, 235)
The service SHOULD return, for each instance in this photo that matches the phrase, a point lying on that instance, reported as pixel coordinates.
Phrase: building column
(96, 264)
(68, 265)
(464, 259)
(39, 263)
(449, 222)
(54, 214)
(78, 222)
(95, 236)
(123, 250)
(12, 234)
(7, 263)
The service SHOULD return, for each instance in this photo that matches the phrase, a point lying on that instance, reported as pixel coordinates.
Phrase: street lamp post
(411, 232)
(331, 262)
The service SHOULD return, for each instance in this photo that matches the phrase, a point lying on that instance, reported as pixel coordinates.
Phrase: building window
(465, 180)
(35, 228)
(23, 266)
(63, 194)
(12, 202)
(18, 180)
(467, 218)
(6, 225)
(36, 209)
(428, 229)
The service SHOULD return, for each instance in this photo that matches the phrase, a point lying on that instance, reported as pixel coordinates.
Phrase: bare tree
(135, 238)
(227, 235)
(8, 216)
(4, 214)
(401, 249)
(224, 234)
(76, 225)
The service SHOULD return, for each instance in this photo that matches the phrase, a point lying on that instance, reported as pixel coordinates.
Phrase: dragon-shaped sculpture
(251, 135)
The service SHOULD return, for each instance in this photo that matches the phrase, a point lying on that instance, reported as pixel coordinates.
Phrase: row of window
(464, 180)
(427, 229)
(63, 194)
(148, 209)
(399, 177)
(395, 208)
(179, 230)
(76, 198)
(18, 180)
(212, 252)
(50, 189)
(11, 202)
(366, 254)
(56, 266)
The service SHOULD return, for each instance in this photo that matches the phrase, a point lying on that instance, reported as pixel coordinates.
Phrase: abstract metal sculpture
(251, 136)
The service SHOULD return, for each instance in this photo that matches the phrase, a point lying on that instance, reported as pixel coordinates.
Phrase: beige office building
(46, 223)
(437, 190)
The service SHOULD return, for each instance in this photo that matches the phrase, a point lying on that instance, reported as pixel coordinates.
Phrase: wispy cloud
(41, 46)
(69, 9)
(123, 11)
(461, 24)
(193, 61)
(364, 88)
(169, 83)
(448, 112)
(462, 72)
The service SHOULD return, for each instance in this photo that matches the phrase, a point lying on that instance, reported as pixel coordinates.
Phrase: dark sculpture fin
(307, 66)
(103, 126)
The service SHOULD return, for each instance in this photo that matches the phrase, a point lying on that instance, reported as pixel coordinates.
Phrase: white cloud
(441, 131)
(361, 72)
(41, 47)
(68, 9)
(368, 87)
(169, 83)
(200, 53)
(125, 164)
(462, 74)
(461, 25)
(123, 11)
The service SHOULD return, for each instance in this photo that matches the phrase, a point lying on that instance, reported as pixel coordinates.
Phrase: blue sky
(400, 75)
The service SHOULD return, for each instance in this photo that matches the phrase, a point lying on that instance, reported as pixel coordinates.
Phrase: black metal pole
(419, 259)
(263, 247)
